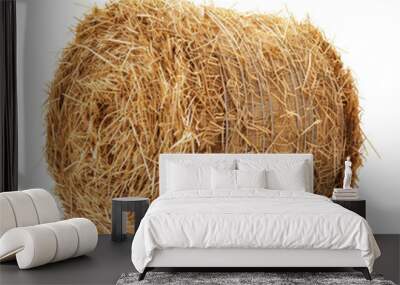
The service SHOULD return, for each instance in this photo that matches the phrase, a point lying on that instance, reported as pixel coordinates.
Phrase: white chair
(31, 230)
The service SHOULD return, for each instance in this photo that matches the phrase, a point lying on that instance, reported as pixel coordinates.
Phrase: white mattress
(250, 219)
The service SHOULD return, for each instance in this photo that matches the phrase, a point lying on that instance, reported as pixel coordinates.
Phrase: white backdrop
(366, 32)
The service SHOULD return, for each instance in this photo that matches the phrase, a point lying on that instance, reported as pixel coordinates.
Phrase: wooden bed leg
(142, 275)
(364, 271)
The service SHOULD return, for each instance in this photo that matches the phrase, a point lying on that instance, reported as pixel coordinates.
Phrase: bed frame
(249, 259)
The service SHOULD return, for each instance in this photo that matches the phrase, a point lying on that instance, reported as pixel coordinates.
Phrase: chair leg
(364, 271)
(142, 275)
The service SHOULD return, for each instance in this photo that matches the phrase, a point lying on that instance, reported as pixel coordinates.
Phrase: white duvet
(252, 218)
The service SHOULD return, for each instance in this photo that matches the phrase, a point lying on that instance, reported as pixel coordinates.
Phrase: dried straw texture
(144, 77)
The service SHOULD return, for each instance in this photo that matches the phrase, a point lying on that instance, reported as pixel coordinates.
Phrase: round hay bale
(144, 77)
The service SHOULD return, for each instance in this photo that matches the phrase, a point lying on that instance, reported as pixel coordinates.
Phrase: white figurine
(347, 174)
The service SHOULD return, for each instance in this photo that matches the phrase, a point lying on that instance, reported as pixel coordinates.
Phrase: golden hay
(144, 77)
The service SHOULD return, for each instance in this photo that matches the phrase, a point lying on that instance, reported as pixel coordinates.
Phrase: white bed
(249, 227)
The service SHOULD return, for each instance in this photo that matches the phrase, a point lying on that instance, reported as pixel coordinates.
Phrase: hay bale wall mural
(143, 77)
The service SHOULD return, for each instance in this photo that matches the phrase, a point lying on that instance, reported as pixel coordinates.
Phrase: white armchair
(31, 230)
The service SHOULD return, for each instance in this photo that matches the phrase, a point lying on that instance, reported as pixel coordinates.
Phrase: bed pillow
(281, 174)
(236, 179)
(181, 177)
(223, 179)
(251, 178)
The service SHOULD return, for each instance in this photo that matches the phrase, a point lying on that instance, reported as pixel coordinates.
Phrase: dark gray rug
(269, 278)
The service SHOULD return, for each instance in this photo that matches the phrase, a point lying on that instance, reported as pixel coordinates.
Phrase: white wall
(366, 31)
(44, 28)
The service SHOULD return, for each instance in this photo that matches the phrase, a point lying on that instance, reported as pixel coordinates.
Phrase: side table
(120, 207)
(357, 206)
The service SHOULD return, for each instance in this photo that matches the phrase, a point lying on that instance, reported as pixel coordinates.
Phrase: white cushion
(23, 208)
(281, 174)
(223, 179)
(198, 168)
(7, 220)
(251, 178)
(67, 240)
(45, 205)
(87, 234)
(40, 244)
(183, 177)
(236, 179)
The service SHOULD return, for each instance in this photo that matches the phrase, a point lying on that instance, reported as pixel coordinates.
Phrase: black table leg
(117, 219)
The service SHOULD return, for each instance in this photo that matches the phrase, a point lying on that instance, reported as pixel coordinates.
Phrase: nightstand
(120, 207)
(357, 206)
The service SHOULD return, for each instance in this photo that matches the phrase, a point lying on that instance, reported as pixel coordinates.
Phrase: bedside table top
(348, 200)
(129, 199)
